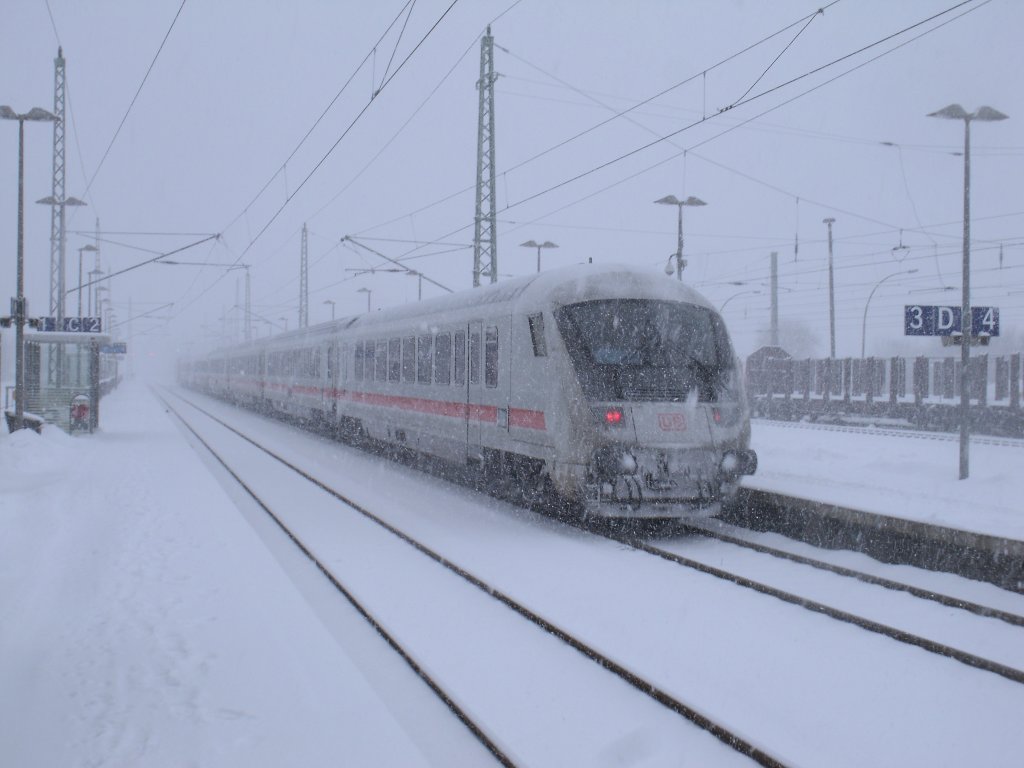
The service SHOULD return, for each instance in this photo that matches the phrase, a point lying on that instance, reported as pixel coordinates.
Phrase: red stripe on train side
(526, 419)
(522, 418)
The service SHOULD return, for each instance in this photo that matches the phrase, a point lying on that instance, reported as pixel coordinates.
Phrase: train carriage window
(382, 361)
(394, 360)
(540, 345)
(368, 359)
(409, 359)
(460, 357)
(424, 346)
(443, 359)
(491, 356)
(474, 358)
(316, 363)
(330, 362)
(358, 367)
(344, 362)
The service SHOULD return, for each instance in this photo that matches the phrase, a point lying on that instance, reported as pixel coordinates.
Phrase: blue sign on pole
(922, 320)
(115, 348)
(73, 324)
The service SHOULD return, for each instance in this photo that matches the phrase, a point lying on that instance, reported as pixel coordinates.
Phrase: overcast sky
(237, 86)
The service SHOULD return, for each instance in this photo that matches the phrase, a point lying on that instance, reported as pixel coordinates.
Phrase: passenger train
(602, 389)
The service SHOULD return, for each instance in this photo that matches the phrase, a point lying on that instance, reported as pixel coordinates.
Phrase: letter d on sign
(945, 320)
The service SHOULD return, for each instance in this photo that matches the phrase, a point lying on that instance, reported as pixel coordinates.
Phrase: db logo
(672, 422)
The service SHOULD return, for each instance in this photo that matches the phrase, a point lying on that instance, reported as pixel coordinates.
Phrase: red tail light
(613, 416)
(716, 415)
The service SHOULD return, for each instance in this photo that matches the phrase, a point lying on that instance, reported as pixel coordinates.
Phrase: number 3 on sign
(916, 318)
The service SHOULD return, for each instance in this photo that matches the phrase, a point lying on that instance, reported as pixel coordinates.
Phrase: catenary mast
(304, 280)
(485, 243)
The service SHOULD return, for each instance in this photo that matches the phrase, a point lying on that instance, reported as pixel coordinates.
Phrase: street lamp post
(419, 278)
(285, 321)
(864, 322)
(538, 246)
(98, 306)
(35, 115)
(736, 295)
(93, 274)
(831, 295)
(985, 114)
(368, 293)
(331, 302)
(61, 268)
(673, 200)
(83, 249)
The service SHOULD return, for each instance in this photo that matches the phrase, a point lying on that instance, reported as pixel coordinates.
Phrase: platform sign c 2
(925, 320)
(73, 324)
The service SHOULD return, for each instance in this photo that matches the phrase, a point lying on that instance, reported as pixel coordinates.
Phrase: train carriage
(606, 387)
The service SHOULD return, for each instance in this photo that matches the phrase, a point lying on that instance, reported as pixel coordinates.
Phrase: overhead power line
(135, 97)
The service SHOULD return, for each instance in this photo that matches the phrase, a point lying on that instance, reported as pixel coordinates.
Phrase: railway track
(663, 695)
(949, 601)
(901, 635)
(645, 686)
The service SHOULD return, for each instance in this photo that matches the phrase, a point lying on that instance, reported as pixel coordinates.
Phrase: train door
(261, 377)
(474, 389)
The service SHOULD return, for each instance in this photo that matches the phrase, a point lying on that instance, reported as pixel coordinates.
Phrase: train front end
(669, 431)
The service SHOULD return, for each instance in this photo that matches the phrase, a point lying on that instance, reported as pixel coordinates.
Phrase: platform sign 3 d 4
(922, 320)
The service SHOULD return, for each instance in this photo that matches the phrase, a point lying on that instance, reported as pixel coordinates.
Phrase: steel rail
(642, 685)
(932, 646)
(925, 594)
(434, 686)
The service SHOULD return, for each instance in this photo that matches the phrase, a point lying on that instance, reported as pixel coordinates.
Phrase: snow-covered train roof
(567, 285)
(582, 282)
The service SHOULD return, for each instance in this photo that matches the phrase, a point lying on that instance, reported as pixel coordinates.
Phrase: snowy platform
(901, 476)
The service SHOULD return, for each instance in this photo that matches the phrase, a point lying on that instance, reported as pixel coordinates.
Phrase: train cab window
(474, 357)
(424, 349)
(382, 361)
(409, 359)
(443, 358)
(357, 368)
(460, 357)
(540, 346)
(394, 359)
(491, 356)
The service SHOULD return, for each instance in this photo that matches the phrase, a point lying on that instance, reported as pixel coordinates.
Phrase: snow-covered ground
(143, 621)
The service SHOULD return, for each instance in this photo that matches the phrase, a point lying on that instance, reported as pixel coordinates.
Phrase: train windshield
(637, 349)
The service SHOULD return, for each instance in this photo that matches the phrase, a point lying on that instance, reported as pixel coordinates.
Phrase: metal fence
(922, 392)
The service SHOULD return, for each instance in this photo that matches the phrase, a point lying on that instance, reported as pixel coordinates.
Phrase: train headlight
(738, 462)
(730, 463)
(613, 460)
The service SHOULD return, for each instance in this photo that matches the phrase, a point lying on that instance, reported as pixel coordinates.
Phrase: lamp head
(952, 112)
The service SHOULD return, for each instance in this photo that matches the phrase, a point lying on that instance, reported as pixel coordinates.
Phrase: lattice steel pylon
(55, 363)
(304, 280)
(485, 236)
(56, 220)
